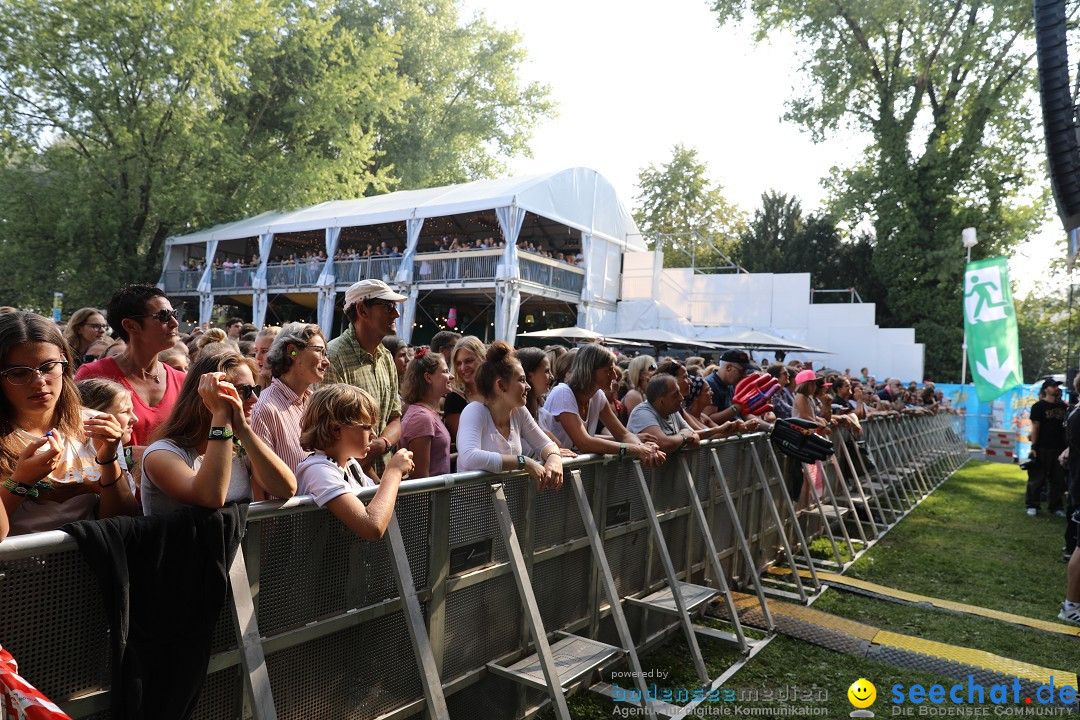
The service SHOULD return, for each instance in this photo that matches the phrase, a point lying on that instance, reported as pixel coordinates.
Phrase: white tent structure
(577, 199)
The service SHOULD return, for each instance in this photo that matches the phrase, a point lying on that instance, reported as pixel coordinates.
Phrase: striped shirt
(276, 420)
(374, 373)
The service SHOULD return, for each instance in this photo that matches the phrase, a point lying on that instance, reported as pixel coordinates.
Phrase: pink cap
(805, 376)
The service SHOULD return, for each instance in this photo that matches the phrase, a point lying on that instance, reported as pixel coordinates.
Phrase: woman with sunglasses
(206, 454)
(86, 327)
(60, 464)
(142, 317)
(640, 372)
(296, 361)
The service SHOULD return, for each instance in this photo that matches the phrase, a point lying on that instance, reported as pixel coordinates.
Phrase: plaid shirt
(376, 374)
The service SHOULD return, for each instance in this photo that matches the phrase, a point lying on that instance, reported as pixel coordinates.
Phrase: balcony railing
(551, 273)
(181, 280)
(454, 266)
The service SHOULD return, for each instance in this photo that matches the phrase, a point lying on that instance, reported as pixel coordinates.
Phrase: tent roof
(577, 197)
(757, 340)
(656, 336)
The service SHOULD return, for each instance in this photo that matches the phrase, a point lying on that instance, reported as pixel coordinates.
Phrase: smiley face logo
(862, 693)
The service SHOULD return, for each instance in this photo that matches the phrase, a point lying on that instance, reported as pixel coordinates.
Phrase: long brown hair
(19, 328)
(189, 422)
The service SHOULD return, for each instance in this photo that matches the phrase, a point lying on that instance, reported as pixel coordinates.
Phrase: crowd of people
(148, 421)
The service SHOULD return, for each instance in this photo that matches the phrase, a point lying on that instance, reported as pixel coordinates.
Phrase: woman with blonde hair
(86, 326)
(337, 429)
(206, 454)
(263, 341)
(465, 360)
(639, 373)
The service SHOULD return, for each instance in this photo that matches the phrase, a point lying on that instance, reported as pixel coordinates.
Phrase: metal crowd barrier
(317, 626)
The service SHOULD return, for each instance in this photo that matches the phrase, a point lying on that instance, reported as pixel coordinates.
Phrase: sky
(633, 78)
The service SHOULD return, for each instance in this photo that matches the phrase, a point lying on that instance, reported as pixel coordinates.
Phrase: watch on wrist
(521, 462)
(220, 433)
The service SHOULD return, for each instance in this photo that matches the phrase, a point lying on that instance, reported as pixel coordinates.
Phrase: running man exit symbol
(984, 299)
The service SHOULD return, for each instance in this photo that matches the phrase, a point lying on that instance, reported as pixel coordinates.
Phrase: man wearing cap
(734, 364)
(357, 357)
(1047, 442)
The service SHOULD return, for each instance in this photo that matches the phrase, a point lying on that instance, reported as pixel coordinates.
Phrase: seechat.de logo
(862, 695)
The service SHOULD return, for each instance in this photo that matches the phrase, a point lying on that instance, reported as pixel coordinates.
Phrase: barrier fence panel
(330, 618)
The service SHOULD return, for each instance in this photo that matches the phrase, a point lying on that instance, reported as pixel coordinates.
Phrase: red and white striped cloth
(19, 700)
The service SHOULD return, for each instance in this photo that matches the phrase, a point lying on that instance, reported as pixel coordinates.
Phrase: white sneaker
(1060, 513)
(1072, 616)
(1032, 512)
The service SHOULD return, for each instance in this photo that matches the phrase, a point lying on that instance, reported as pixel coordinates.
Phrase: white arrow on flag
(994, 373)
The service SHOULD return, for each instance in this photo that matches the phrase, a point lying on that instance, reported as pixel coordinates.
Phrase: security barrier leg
(578, 656)
(796, 528)
(741, 541)
(712, 557)
(677, 602)
(252, 658)
(610, 591)
(850, 504)
(826, 526)
(864, 500)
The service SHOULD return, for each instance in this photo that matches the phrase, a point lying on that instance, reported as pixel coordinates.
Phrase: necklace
(155, 376)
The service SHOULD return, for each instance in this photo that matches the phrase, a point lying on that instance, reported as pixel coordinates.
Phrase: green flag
(990, 324)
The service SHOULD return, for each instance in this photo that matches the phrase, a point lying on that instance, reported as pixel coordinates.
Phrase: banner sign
(990, 323)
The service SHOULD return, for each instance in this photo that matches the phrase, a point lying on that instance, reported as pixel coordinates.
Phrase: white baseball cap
(371, 290)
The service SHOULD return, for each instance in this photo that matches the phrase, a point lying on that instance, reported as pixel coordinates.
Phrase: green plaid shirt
(376, 374)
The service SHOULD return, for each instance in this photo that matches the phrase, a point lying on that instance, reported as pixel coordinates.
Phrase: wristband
(110, 461)
(23, 490)
(622, 450)
(521, 462)
(220, 433)
(386, 444)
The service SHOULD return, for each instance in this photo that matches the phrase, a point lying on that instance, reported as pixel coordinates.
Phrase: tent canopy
(757, 340)
(577, 197)
(661, 337)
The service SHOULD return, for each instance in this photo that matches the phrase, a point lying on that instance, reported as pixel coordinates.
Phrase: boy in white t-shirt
(337, 428)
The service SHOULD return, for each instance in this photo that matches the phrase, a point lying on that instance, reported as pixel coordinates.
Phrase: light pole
(967, 236)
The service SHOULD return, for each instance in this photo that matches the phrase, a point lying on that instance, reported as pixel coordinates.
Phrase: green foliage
(1049, 332)
(680, 202)
(780, 239)
(468, 109)
(124, 123)
(942, 87)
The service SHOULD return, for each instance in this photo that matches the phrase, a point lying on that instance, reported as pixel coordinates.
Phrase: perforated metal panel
(362, 672)
(557, 519)
(221, 696)
(473, 516)
(65, 602)
(626, 556)
(482, 623)
(561, 586)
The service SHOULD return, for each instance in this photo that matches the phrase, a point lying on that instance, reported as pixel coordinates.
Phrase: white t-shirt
(561, 400)
(155, 501)
(321, 477)
(480, 445)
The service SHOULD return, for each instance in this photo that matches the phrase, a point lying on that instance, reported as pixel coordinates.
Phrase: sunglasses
(246, 391)
(96, 326)
(162, 316)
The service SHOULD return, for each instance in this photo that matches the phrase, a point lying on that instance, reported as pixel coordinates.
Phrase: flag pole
(968, 238)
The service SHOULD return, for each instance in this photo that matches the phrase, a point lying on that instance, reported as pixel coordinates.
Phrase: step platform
(694, 596)
(574, 656)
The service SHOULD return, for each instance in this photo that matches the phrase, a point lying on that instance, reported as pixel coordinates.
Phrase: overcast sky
(634, 78)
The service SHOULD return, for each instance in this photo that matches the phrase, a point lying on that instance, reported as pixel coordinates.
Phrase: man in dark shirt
(734, 364)
(1047, 442)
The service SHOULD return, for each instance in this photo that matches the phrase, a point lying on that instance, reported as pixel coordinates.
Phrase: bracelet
(543, 458)
(521, 462)
(23, 490)
(386, 442)
(112, 483)
(220, 433)
(110, 461)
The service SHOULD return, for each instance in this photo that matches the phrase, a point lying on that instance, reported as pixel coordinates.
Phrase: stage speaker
(1059, 115)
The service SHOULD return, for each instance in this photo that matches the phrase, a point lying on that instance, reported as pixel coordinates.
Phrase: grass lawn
(970, 541)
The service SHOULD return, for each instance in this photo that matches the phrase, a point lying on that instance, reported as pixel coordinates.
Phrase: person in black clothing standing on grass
(1047, 442)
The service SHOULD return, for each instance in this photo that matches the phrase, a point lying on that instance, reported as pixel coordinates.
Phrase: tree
(468, 111)
(941, 88)
(124, 123)
(779, 239)
(680, 202)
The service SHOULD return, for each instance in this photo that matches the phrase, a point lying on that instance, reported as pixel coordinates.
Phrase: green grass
(971, 542)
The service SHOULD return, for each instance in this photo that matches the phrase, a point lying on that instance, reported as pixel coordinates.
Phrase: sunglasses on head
(162, 316)
(246, 391)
